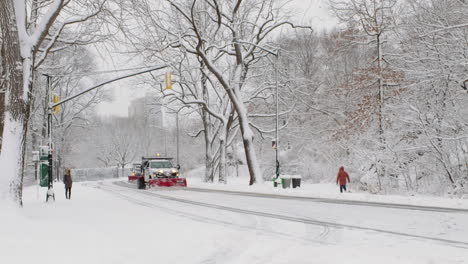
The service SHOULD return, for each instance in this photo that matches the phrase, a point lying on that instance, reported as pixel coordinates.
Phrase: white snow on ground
(96, 227)
(108, 223)
(322, 190)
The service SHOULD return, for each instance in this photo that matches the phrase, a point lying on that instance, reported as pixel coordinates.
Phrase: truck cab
(159, 168)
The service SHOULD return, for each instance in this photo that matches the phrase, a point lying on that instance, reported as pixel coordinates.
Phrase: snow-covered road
(341, 225)
(112, 222)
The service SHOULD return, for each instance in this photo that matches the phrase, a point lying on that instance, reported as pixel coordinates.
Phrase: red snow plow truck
(160, 172)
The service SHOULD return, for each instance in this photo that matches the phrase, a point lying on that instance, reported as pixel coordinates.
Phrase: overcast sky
(315, 12)
(309, 12)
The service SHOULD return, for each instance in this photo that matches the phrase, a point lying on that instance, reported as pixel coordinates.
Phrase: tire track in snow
(304, 220)
(221, 253)
(192, 216)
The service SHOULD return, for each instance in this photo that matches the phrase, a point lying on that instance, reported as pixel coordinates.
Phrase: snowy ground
(329, 191)
(107, 222)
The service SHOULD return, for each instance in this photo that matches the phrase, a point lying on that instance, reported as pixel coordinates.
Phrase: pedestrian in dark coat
(141, 182)
(341, 178)
(67, 180)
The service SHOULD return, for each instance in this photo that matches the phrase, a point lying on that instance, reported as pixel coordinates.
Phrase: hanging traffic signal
(56, 99)
(168, 80)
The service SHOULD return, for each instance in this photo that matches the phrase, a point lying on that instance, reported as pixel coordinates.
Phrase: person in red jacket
(341, 178)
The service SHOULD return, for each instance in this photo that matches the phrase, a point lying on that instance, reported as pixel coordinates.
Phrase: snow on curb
(328, 191)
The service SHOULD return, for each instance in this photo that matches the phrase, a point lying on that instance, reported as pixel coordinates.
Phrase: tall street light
(277, 122)
(277, 119)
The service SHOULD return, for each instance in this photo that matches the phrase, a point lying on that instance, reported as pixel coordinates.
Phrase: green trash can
(44, 175)
(286, 182)
(276, 181)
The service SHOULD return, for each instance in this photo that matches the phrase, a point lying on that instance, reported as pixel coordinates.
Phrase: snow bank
(325, 190)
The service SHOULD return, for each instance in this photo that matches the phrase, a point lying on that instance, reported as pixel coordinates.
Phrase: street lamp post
(277, 122)
(177, 127)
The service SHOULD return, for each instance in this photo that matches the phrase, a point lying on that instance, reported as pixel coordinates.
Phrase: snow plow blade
(168, 182)
(134, 177)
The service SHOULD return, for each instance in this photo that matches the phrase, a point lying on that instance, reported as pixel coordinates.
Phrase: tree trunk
(222, 153)
(2, 86)
(234, 94)
(247, 139)
(2, 117)
(381, 170)
(17, 99)
(208, 153)
(209, 162)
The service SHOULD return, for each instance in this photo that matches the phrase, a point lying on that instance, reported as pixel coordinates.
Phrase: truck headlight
(160, 171)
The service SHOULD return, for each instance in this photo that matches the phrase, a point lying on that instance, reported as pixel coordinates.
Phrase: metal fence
(97, 174)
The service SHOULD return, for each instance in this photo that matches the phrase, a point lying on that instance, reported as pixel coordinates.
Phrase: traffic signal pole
(52, 105)
(49, 135)
(50, 186)
(49, 131)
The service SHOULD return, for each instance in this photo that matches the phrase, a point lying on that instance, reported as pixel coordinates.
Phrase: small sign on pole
(168, 80)
(35, 156)
(55, 100)
(273, 144)
(43, 153)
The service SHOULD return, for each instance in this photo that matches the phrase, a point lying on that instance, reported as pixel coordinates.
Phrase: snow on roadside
(320, 190)
(96, 227)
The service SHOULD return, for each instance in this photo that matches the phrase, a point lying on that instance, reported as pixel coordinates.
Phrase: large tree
(230, 39)
(27, 40)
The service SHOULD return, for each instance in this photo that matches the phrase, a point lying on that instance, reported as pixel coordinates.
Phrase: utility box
(43, 175)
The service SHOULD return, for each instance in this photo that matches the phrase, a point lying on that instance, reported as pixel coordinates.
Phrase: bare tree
(433, 56)
(375, 18)
(236, 42)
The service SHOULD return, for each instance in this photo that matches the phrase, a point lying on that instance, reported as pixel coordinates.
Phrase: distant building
(147, 111)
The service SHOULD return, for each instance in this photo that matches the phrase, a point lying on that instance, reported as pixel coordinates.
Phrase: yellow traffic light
(56, 99)
(168, 80)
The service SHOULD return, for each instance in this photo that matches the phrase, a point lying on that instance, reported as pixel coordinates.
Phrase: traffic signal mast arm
(104, 83)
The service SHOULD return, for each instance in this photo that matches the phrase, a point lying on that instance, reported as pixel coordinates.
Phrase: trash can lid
(296, 176)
